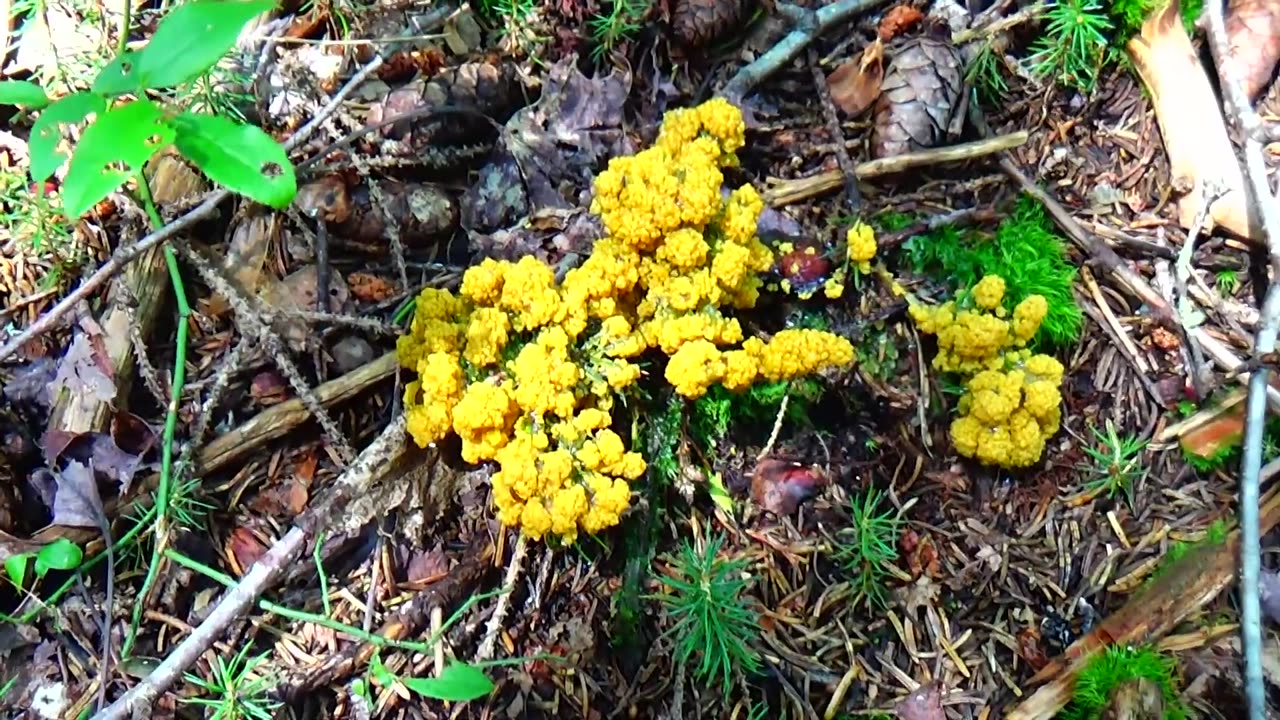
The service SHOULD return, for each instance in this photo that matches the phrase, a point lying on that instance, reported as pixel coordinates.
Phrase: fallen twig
(810, 24)
(848, 173)
(786, 192)
(261, 575)
(1255, 409)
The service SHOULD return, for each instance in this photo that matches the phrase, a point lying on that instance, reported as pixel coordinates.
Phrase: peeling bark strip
(1188, 585)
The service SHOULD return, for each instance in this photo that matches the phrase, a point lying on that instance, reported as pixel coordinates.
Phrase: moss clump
(1116, 666)
(713, 415)
(1024, 250)
(1128, 15)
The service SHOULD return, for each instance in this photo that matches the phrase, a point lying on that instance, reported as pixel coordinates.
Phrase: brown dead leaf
(246, 254)
(925, 703)
(299, 290)
(559, 142)
(426, 565)
(326, 198)
(855, 85)
(244, 548)
(76, 502)
(288, 498)
(781, 486)
(1030, 649)
(898, 20)
(921, 554)
(1253, 33)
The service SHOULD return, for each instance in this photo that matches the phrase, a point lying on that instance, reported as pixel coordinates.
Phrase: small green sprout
(713, 622)
(867, 548)
(1073, 45)
(1228, 281)
(236, 689)
(1117, 462)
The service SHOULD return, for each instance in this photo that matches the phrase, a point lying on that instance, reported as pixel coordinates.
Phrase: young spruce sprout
(714, 625)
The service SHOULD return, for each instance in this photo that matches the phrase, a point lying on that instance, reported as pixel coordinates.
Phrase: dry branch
(787, 192)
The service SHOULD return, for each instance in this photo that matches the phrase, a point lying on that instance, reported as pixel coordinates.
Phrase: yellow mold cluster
(1012, 400)
(525, 370)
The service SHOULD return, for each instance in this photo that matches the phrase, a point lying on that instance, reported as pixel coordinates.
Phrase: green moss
(1215, 534)
(1115, 666)
(714, 414)
(1128, 15)
(1024, 250)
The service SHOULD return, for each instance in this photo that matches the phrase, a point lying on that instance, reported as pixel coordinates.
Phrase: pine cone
(920, 97)
(698, 23)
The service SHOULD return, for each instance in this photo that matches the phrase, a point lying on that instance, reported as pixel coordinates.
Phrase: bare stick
(810, 25)
(1269, 327)
(514, 566)
(777, 428)
(848, 172)
(261, 576)
(793, 191)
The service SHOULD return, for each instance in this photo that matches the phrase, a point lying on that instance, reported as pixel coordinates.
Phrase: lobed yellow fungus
(1012, 400)
(524, 370)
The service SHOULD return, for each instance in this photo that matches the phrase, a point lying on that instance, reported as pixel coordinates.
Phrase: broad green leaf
(22, 93)
(15, 566)
(242, 158)
(120, 76)
(112, 150)
(192, 37)
(61, 554)
(458, 682)
(46, 132)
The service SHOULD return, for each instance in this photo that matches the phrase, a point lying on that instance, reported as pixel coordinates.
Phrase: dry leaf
(84, 372)
(898, 20)
(33, 382)
(76, 502)
(855, 85)
(1191, 124)
(780, 486)
(1136, 699)
(925, 703)
(1253, 33)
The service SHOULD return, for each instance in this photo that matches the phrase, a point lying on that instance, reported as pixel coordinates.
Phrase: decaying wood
(1188, 585)
(146, 283)
(787, 192)
(1192, 126)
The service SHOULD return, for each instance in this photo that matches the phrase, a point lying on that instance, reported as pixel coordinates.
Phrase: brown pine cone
(921, 96)
(698, 23)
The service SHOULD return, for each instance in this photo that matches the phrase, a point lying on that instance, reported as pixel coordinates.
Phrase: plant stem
(125, 21)
(425, 648)
(164, 488)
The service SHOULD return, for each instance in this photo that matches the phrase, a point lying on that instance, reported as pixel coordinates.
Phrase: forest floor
(812, 548)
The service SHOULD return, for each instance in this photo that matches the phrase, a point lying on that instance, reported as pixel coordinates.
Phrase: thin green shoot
(1116, 462)
(1073, 45)
(1228, 281)
(714, 624)
(236, 688)
(985, 73)
(165, 486)
(624, 19)
(868, 547)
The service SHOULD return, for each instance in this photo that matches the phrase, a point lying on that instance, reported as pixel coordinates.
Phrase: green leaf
(458, 682)
(120, 76)
(380, 673)
(61, 554)
(25, 94)
(112, 150)
(242, 158)
(192, 37)
(46, 132)
(15, 566)
(719, 493)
